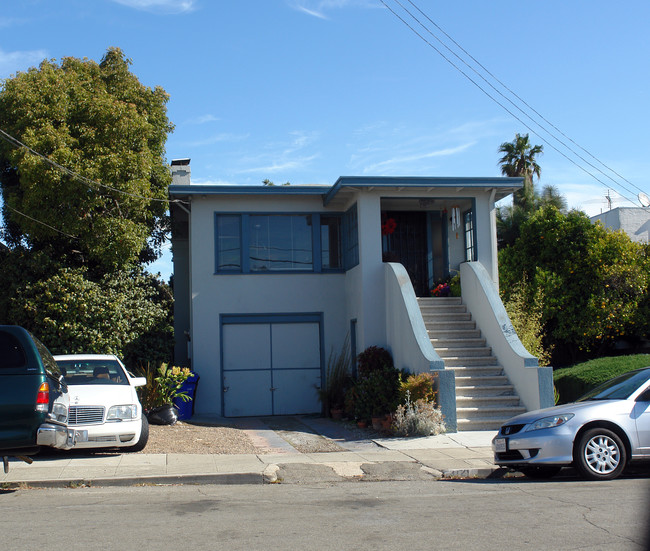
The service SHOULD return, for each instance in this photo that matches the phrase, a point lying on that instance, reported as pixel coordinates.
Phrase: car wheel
(144, 437)
(600, 455)
(540, 472)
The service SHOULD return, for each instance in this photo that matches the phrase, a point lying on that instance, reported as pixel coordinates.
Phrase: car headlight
(122, 413)
(60, 413)
(550, 422)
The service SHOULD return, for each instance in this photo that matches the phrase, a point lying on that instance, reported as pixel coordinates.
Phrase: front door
(404, 240)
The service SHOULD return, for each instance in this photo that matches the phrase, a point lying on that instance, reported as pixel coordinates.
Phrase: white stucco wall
(634, 221)
(212, 295)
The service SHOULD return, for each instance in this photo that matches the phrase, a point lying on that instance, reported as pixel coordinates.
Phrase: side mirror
(139, 381)
(644, 396)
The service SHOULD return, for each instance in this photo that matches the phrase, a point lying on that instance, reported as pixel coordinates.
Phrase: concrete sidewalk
(465, 454)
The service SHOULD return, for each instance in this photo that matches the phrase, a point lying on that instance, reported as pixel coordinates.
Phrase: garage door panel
(246, 346)
(247, 393)
(296, 345)
(295, 391)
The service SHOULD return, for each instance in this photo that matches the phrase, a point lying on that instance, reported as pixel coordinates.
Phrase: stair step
(464, 352)
(439, 300)
(445, 317)
(480, 424)
(449, 326)
(451, 334)
(471, 361)
(480, 403)
(435, 309)
(472, 389)
(458, 343)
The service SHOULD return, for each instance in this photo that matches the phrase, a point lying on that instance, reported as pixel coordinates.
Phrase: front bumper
(111, 434)
(552, 446)
(59, 436)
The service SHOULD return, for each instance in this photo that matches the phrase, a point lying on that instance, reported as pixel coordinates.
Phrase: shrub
(377, 394)
(419, 418)
(332, 393)
(573, 382)
(418, 387)
(373, 358)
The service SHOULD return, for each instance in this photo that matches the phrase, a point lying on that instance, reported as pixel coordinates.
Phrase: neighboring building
(269, 279)
(634, 221)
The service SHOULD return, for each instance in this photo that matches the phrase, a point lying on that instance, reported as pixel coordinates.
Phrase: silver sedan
(599, 435)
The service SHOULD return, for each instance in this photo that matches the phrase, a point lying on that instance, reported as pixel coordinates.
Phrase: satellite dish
(644, 199)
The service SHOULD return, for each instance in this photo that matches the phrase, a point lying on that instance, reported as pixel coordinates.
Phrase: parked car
(600, 434)
(104, 401)
(33, 398)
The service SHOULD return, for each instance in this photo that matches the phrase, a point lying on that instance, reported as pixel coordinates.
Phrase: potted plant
(164, 385)
(338, 380)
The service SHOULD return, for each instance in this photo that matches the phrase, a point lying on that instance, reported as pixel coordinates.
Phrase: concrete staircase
(485, 398)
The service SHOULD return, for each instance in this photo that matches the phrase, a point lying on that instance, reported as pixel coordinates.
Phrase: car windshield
(93, 372)
(619, 388)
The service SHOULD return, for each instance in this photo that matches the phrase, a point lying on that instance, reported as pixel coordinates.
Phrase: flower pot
(376, 423)
(336, 413)
(166, 414)
(362, 424)
(387, 422)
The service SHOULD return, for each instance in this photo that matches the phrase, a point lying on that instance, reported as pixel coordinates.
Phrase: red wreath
(388, 227)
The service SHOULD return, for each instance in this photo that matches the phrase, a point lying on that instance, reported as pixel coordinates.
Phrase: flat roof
(503, 185)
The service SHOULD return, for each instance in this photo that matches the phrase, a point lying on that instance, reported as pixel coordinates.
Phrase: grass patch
(573, 382)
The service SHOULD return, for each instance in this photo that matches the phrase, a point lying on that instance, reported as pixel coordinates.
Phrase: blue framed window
(280, 242)
(468, 227)
(274, 243)
(228, 242)
(351, 237)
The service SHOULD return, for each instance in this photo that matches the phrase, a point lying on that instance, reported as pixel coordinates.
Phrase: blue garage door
(271, 365)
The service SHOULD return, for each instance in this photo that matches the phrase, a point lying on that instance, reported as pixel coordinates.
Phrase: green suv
(34, 398)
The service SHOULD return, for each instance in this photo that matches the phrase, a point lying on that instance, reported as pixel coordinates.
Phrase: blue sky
(308, 90)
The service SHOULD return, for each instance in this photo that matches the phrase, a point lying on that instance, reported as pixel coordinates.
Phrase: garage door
(271, 365)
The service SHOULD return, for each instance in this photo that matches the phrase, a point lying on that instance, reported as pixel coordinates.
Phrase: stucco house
(269, 279)
(634, 221)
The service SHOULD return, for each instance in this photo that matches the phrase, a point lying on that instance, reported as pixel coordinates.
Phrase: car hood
(106, 395)
(574, 407)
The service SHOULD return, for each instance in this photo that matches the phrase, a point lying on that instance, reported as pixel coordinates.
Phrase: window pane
(228, 242)
(330, 234)
(351, 236)
(280, 243)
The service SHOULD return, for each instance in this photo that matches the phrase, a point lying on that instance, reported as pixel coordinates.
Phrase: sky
(305, 91)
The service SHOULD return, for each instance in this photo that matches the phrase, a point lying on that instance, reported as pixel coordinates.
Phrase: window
(12, 354)
(351, 237)
(268, 243)
(280, 242)
(330, 242)
(228, 242)
(468, 226)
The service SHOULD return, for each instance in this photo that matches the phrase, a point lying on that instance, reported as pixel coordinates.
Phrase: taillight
(43, 398)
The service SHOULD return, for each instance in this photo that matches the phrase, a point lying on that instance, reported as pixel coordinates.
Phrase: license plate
(500, 445)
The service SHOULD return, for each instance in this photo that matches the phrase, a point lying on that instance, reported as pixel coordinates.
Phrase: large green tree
(595, 282)
(519, 158)
(99, 122)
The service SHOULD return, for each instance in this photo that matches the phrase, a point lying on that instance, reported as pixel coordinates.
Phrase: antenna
(609, 201)
(644, 199)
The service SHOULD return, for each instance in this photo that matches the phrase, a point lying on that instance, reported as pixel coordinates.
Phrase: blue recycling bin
(186, 409)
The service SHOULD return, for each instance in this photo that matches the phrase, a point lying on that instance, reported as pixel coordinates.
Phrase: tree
(595, 282)
(519, 160)
(93, 185)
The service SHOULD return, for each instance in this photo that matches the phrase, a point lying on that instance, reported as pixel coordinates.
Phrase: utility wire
(520, 98)
(424, 39)
(41, 223)
(17, 143)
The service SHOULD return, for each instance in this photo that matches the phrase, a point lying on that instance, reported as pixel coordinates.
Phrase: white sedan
(104, 401)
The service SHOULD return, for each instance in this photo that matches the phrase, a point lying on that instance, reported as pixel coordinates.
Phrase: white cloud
(406, 161)
(11, 62)
(160, 6)
(318, 8)
(217, 138)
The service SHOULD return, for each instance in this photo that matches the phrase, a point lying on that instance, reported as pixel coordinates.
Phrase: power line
(92, 183)
(41, 223)
(424, 39)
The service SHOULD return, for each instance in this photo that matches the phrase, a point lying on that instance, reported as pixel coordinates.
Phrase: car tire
(600, 454)
(544, 472)
(144, 437)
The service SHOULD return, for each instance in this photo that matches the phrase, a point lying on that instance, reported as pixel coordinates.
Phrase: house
(634, 221)
(269, 279)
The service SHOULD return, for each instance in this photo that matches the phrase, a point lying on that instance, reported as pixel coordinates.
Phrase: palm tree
(519, 160)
